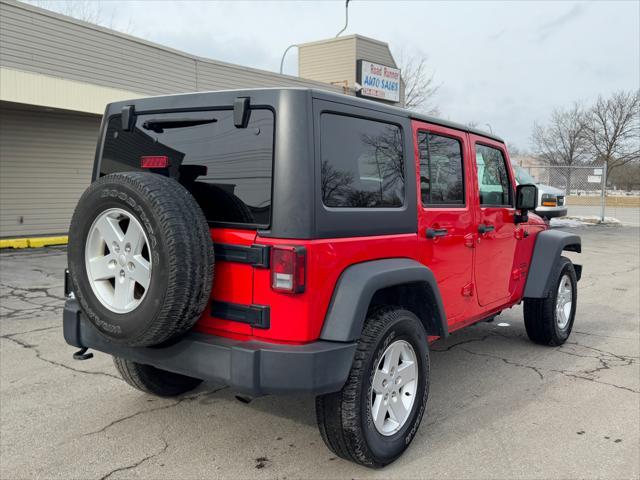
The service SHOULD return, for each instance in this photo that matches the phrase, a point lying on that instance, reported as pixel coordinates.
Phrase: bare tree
(613, 129)
(516, 150)
(626, 177)
(420, 87)
(90, 11)
(563, 141)
(335, 184)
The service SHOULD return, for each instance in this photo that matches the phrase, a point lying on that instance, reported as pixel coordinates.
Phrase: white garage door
(45, 164)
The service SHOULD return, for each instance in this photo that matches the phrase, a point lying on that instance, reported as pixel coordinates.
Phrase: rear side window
(493, 179)
(362, 163)
(441, 174)
(227, 169)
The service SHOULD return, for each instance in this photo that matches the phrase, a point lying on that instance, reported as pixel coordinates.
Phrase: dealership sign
(378, 81)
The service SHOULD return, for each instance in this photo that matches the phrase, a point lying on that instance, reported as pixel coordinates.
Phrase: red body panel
(232, 282)
(478, 274)
(299, 317)
(494, 250)
(450, 257)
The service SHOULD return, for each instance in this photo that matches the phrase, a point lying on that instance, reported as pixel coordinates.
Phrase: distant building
(332, 61)
(58, 73)
(532, 165)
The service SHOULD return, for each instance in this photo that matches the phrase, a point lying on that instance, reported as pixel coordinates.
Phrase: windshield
(523, 177)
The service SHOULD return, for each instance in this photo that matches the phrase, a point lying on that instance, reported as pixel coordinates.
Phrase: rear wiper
(158, 125)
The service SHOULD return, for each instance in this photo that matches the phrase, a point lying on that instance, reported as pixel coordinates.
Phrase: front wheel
(549, 320)
(372, 420)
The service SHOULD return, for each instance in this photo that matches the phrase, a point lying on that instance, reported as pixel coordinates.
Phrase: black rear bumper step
(255, 255)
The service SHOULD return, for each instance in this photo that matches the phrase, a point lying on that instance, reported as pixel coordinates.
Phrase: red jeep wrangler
(345, 235)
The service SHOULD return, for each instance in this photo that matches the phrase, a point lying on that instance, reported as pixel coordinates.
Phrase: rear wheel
(372, 420)
(549, 320)
(152, 380)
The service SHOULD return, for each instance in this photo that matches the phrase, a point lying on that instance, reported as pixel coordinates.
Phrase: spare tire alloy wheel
(118, 260)
(140, 258)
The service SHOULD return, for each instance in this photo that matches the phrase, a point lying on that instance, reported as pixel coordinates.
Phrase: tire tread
(152, 380)
(338, 414)
(539, 313)
(188, 259)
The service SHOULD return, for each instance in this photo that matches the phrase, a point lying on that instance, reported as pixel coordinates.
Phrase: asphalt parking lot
(499, 407)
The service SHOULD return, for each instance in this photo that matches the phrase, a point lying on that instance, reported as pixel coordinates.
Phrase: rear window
(228, 169)
(362, 163)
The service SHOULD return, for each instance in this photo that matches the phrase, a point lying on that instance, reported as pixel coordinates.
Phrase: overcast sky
(503, 63)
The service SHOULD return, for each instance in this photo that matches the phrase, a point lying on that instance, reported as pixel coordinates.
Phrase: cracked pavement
(499, 406)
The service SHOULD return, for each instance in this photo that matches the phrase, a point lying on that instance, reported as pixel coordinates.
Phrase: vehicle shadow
(297, 408)
(458, 366)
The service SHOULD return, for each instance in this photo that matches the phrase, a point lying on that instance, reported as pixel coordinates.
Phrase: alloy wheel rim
(564, 302)
(395, 383)
(118, 260)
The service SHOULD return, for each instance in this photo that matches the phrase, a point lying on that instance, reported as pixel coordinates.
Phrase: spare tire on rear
(140, 258)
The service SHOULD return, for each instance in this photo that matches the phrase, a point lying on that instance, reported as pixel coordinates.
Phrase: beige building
(57, 74)
(332, 61)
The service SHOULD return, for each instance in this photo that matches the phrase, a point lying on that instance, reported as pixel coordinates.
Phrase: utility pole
(603, 192)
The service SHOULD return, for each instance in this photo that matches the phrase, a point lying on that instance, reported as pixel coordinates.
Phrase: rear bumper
(254, 368)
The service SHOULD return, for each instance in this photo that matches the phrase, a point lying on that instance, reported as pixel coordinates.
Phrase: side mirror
(526, 199)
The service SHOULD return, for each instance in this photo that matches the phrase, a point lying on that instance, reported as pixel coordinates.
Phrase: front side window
(493, 179)
(441, 174)
(362, 163)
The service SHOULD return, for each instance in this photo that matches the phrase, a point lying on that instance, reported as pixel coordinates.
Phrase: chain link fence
(587, 192)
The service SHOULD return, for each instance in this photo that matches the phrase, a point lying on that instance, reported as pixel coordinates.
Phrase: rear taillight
(154, 161)
(288, 266)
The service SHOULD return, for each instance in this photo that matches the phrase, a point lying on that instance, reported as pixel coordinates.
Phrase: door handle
(436, 232)
(482, 228)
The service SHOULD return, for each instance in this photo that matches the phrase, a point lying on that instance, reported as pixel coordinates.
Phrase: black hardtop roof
(333, 97)
(382, 107)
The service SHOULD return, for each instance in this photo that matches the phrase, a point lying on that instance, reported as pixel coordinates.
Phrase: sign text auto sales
(378, 81)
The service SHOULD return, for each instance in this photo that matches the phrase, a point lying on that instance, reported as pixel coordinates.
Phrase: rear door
(445, 214)
(229, 172)
(496, 244)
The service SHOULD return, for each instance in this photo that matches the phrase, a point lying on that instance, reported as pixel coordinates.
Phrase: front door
(495, 248)
(445, 214)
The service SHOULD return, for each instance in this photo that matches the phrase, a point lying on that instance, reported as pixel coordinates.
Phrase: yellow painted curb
(14, 243)
(33, 242)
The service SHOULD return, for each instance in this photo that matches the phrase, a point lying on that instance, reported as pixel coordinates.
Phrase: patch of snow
(583, 220)
(566, 222)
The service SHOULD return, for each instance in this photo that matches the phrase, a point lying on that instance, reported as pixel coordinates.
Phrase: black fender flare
(357, 285)
(546, 253)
